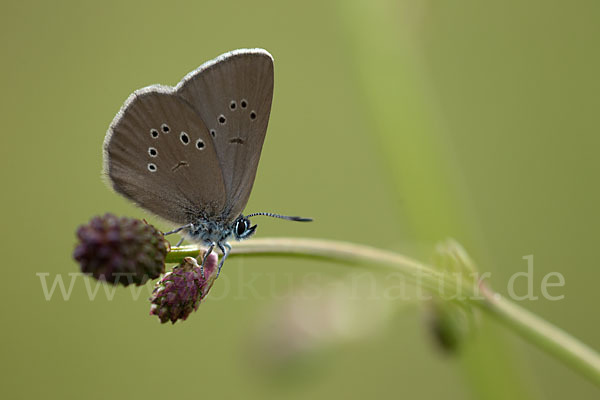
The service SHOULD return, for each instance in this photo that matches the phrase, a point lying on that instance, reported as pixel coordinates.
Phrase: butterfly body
(210, 231)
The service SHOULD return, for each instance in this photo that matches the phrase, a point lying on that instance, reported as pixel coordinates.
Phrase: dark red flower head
(121, 250)
(180, 291)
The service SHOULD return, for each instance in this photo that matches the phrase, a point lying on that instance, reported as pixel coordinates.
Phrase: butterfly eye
(241, 226)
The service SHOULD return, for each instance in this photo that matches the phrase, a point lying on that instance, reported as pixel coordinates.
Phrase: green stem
(534, 329)
(543, 334)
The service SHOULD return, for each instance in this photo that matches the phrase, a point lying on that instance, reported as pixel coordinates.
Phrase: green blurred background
(394, 123)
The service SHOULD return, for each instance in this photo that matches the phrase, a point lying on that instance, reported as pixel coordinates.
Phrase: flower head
(180, 291)
(121, 250)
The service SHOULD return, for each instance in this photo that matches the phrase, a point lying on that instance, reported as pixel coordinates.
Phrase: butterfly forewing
(233, 95)
(159, 153)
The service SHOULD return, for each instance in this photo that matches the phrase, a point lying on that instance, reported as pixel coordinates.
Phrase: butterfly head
(242, 229)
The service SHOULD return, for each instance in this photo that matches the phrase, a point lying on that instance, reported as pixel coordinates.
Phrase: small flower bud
(449, 326)
(180, 291)
(121, 250)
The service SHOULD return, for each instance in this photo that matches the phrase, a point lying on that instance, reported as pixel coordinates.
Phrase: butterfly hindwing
(159, 153)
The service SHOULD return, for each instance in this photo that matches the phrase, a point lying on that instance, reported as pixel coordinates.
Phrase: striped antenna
(268, 214)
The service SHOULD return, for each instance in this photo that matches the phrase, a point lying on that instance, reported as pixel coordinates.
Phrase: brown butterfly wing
(233, 95)
(159, 154)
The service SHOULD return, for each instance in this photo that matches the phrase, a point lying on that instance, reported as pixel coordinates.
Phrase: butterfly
(189, 153)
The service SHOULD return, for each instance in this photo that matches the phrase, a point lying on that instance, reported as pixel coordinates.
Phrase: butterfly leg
(180, 241)
(210, 249)
(190, 226)
(223, 248)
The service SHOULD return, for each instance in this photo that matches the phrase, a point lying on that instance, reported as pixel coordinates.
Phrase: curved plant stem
(544, 335)
(534, 329)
